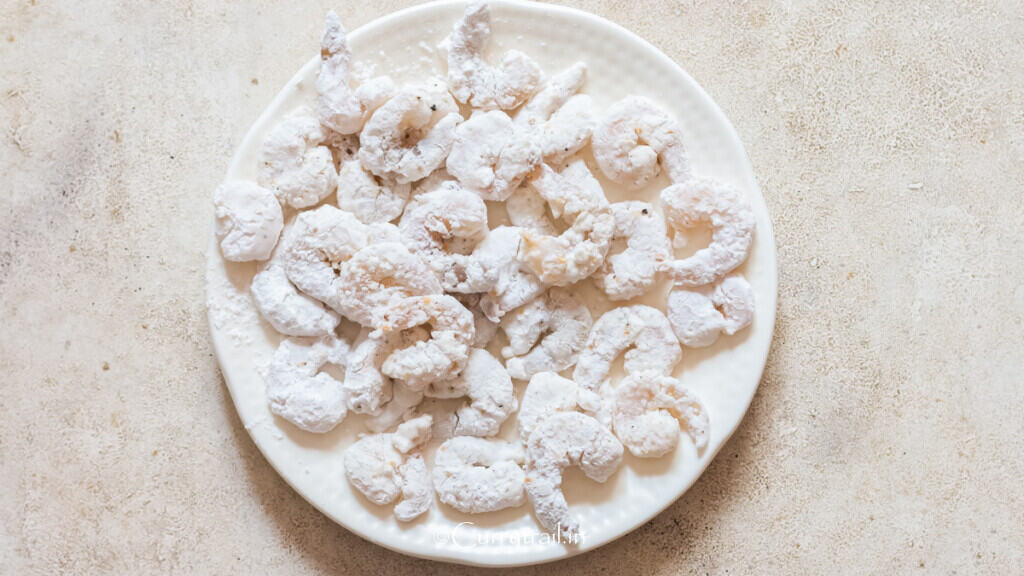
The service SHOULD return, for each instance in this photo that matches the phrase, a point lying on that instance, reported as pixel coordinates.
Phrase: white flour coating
(555, 93)
(570, 192)
(417, 492)
(631, 138)
(370, 198)
(410, 135)
(402, 405)
(473, 80)
(474, 475)
(289, 311)
(491, 156)
(443, 355)
(631, 272)
(442, 223)
(574, 254)
(559, 441)
(649, 408)
(528, 210)
(382, 473)
(513, 285)
(295, 165)
(366, 388)
(296, 389)
(699, 315)
(731, 218)
(412, 433)
(545, 335)
(568, 130)
(546, 394)
(339, 107)
(492, 398)
(485, 330)
(642, 332)
(379, 275)
(248, 220)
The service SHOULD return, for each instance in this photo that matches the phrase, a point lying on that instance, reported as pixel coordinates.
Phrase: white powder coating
(477, 83)
(474, 475)
(369, 198)
(378, 275)
(402, 405)
(249, 220)
(339, 107)
(555, 93)
(410, 135)
(366, 389)
(649, 408)
(412, 433)
(382, 473)
(296, 389)
(568, 130)
(295, 165)
(633, 271)
(417, 492)
(699, 315)
(573, 255)
(642, 332)
(527, 209)
(559, 441)
(546, 394)
(485, 329)
(513, 286)
(628, 142)
(289, 311)
(728, 212)
(545, 335)
(570, 192)
(492, 397)
(441, 222)
(490, 156)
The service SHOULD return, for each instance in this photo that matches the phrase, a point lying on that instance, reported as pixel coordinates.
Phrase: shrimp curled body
(633, 135)
(492, 398)
(649, 408)
(698, 315)
(296, 389)
(295, 164)
(249, 220)
(474, 475)
(633, 271)
(289, 311)
(545, 335)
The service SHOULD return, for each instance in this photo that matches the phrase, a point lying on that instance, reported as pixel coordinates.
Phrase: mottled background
(887, 435)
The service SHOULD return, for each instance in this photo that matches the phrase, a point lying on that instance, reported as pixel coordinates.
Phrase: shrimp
(295, 164)
(339, 107)
(492, 398)
(575, 254)
(474, 475)
(485, 329)
(315, 247)
(410, 135)
(441, 223)
(633, 135)
(378, 275)
(698, 315)
(643, 332)
(728, 212)
(296, 389)
(440, 357)
(545, 335)
(366, 388)
(513, 286)
(402, 405)
(527, 209)
(490, 156)
(413, 433)
(289, 311)
(475, 82)
(570, 192)
(249, 220)
(632, 272)
(649, 407)
(555, 93)
(561, 120)
(382, 472)
(559, 441)
(546, 394)
(370, 198)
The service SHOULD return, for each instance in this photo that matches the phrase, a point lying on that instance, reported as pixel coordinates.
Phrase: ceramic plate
(725, 376)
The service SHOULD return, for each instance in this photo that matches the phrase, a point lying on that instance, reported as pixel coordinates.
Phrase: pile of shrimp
(460, 228)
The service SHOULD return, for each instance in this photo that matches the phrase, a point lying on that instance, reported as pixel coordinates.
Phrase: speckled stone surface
(887, 436)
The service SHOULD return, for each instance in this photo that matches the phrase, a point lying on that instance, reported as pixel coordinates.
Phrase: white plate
(725, 376)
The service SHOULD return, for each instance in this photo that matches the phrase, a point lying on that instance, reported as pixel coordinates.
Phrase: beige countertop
(887, 435)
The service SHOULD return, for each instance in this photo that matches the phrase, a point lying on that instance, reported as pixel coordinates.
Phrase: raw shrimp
(575, 254)
(249, 220)
(546, 394)
(413, 433)
(492, 398)
(643, 332)
(633, 271)
(555, 93)
(443, 355)
(527, 209)
(410, 135)
(545, 335)
(728, 212)
(484, 328)
(339, 107)
(475, 82)
(365, 387)
(377, 275)
(633, 135)
(382, 473)
(568, 130)
(402, 405)
(295, 165)
(474, 475)
(649, 407)
(559, 441)
(570, 192)
(513, 286)
(699, 314)
(289, 311)
(370, 198)
(490, 156)
(296, 389)
(442, 223)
